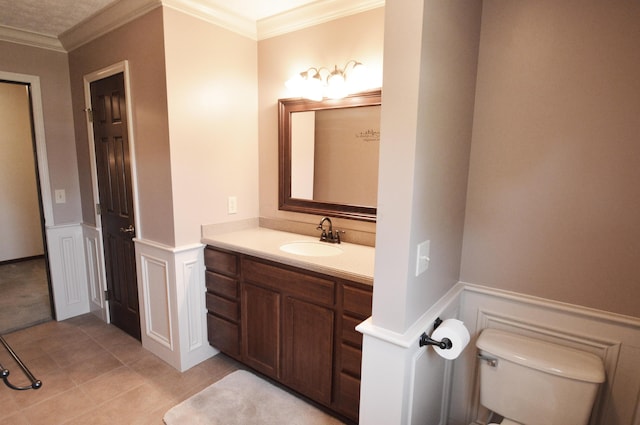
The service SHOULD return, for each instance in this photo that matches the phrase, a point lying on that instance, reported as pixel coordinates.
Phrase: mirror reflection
(329, 155)
(334, 155)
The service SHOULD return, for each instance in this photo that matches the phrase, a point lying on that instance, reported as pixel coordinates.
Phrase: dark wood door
(116, 200)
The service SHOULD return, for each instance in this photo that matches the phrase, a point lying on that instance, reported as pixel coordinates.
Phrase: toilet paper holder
(425, 339)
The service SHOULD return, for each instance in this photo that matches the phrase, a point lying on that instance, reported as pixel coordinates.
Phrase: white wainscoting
(403, 383)
(614, 338)
(96, 278)
(67, 268)
(173, 310)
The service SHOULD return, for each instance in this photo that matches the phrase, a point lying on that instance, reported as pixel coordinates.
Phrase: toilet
(528, 381)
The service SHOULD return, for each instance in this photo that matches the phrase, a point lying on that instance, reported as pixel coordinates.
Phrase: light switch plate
(422, 260)
(232, 205)
(61, 196)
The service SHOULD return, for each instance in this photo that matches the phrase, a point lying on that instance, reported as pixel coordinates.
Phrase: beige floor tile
(139, 401)
(53, 383)
(128, 351)
(60, 408)
(101, 363)
(75, 352)
(8, 405)
(15, 419)
(112, 384)
(94, 373)
(39, 366)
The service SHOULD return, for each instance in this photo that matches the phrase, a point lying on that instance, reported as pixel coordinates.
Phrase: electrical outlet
(61, 196)
(422, 260)
(232, 205)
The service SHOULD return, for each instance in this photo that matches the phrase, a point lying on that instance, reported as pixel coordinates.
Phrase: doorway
(114, 190)
(25, 286)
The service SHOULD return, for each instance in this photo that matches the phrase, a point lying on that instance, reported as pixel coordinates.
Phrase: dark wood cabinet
(290, 324)
(308, 349)
(355, 306)
(223, 301)
(261, 329)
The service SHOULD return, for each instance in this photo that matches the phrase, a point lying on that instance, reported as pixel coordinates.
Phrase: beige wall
(553, 206)
(141, 43)
(358, 37)
(346, 155)
(53, 70)
(427, 116)
(213, 123)
(20, 227)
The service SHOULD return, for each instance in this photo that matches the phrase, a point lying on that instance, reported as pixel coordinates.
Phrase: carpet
(24, 295)
(241, 398)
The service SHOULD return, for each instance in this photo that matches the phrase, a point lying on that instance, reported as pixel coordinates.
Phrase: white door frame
(43, 169)
(41, 146)
(120, 67)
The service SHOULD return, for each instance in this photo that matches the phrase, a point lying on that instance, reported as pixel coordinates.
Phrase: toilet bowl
(505, 422)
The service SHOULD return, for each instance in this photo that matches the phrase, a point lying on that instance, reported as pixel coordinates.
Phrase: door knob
(129, 229)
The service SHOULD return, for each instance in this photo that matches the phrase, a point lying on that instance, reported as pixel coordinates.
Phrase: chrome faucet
(328, 236)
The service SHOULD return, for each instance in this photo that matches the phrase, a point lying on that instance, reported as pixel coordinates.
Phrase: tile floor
(93, 373)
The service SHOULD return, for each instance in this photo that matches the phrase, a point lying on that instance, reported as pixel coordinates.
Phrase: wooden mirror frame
(285, 202)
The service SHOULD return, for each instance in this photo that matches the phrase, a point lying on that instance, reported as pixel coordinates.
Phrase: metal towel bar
(4, 373)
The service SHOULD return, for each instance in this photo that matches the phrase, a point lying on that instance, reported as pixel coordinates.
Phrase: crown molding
(122, 12)
(105, 21)
(312, 14)
(28, 38)
(218, 15)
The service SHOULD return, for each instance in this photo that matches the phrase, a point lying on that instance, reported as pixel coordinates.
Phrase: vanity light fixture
(336, 84)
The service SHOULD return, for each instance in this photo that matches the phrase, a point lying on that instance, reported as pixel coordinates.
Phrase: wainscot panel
(403, 383)
(171, 288)
(614, 338)
(68, 273)
(96, 279)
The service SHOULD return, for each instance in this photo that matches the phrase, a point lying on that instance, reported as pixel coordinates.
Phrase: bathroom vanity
(291, 317)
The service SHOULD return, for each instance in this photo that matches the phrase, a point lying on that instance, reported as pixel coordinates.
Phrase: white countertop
(355, 263)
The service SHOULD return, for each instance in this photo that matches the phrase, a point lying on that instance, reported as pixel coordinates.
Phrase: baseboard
(20, 260)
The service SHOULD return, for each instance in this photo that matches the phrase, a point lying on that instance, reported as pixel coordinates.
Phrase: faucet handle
(337, 237)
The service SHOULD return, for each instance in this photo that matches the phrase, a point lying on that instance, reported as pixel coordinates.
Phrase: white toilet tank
(536, 382)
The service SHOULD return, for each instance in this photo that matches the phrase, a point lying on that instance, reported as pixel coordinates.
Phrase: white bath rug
(241, 398)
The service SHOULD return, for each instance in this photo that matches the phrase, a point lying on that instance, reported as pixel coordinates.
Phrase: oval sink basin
(311, 249)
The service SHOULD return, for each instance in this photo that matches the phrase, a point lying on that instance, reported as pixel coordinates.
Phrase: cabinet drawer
(351, 360)
(221, 285)
(357, 301)
(223, 307)
(223, 335)
(290, 282)
(348, 399)
(221, 262)
(349, 332)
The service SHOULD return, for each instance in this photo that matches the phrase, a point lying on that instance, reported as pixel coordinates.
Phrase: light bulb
(357, 78)
(313, 88)
(295, 84)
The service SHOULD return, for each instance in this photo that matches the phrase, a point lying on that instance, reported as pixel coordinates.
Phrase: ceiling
(54, 17)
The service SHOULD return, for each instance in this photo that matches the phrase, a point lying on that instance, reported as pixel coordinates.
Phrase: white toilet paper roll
(458, 335)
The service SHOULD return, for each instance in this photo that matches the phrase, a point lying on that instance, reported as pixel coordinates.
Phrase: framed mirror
(328, 155)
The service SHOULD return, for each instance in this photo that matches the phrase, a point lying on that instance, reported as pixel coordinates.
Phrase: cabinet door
(308, 348)
(261, 329)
